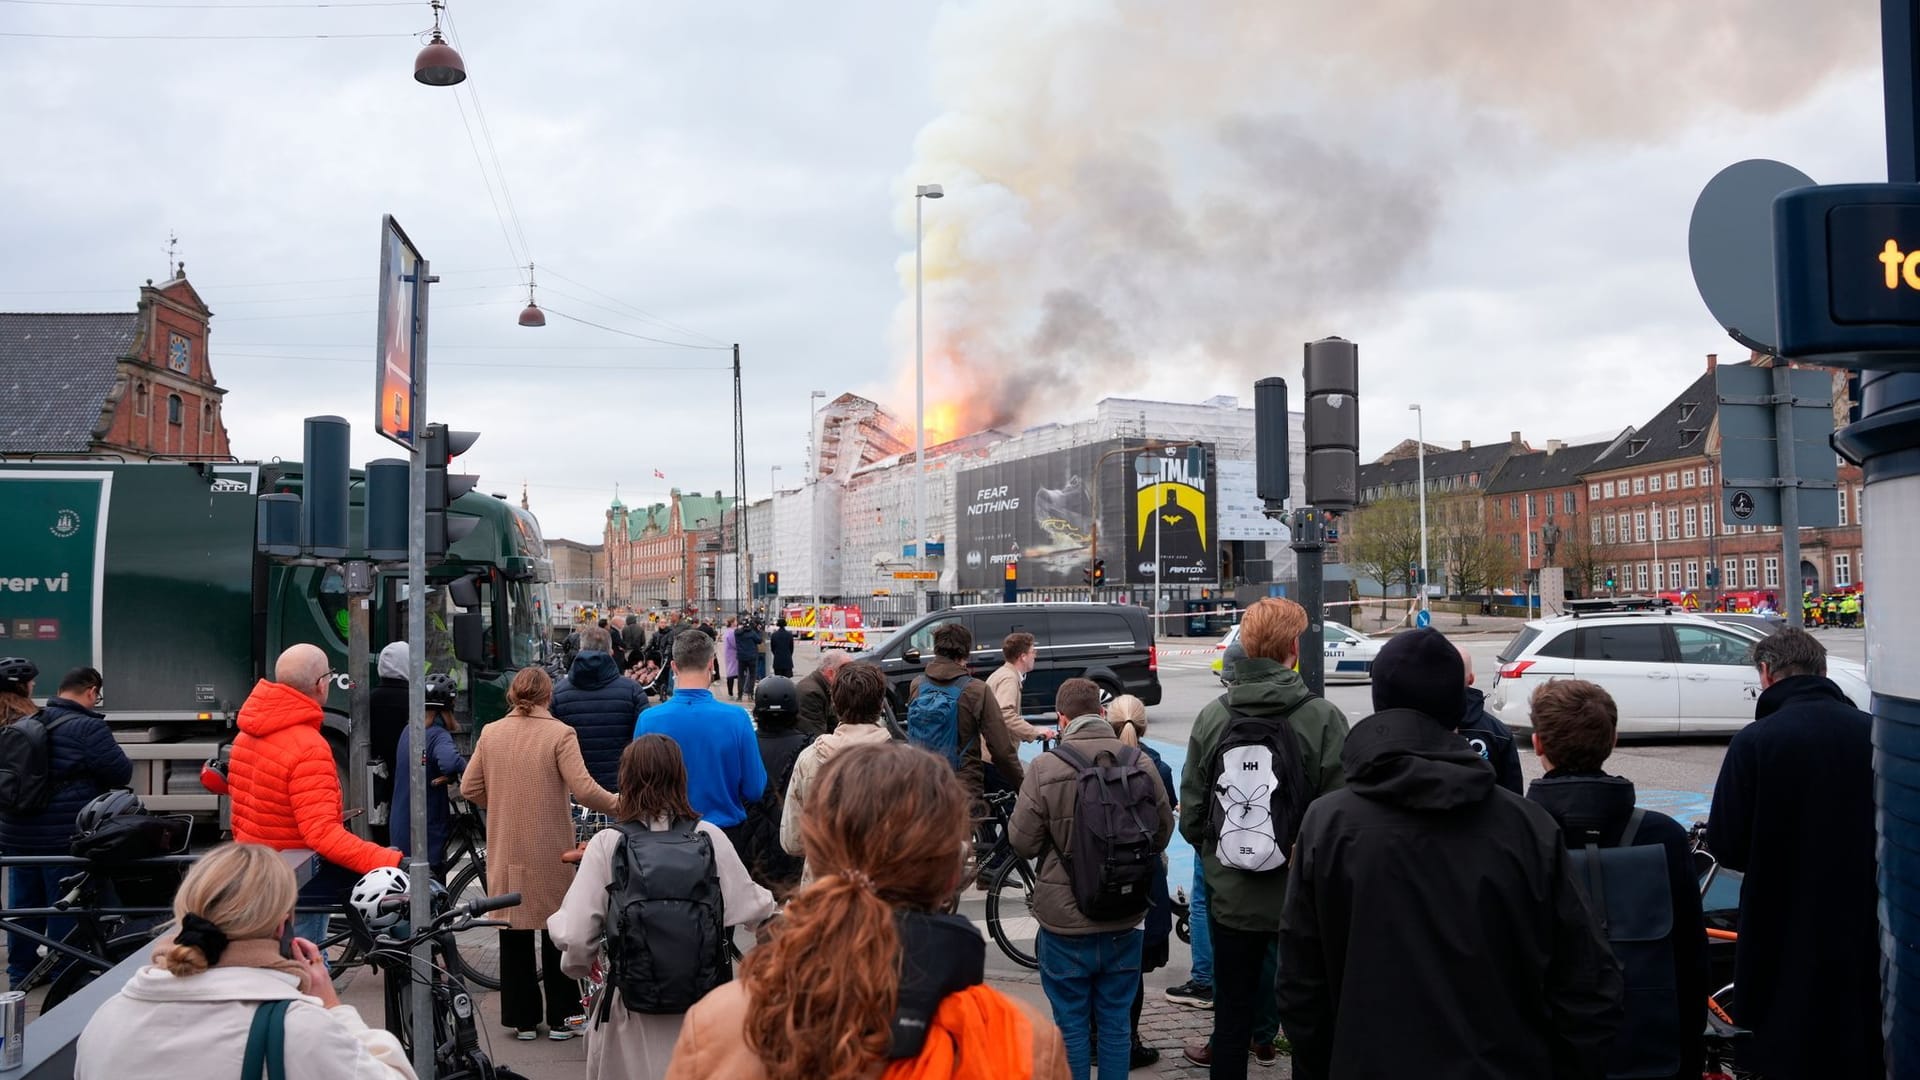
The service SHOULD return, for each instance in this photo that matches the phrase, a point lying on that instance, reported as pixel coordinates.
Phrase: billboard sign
(1039, 512)
(394, 369)
(1242, 515)
(52, 561)
(1749, 451)
(1173, 512)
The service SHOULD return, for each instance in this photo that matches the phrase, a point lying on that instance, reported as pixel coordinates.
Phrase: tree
(1382, 541)
(1475, 560)
(1583, 558)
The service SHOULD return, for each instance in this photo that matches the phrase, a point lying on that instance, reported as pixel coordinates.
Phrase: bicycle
(457, 1053)
(475, 955)
(103, 934)
(1723, 1036)
(1010, 881)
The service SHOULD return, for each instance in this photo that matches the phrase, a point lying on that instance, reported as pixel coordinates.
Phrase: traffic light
(386, 516)
(1272, 443)
(1332, 375)
(441, 445)
(323, 488)
(1713, 577)
(1086, 576)
(1609, 580)
(773, 583)
(1098, 573)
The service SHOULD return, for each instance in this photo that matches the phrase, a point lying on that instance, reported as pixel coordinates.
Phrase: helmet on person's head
(18, 669)
(776, 699)
(374, 886)
(440, 690)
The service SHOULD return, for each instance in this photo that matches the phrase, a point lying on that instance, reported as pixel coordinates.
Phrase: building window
(1706, 476)
(1639, 526)
(1691, 518)
(1653, 483)
(1612, 532)
(139, 399)
(206, 416)
(1706, 520)
(1606, 489)
(1751, 568)
(1673, 481)
(1513, 545)
(1860, 504)
(1773, 571)
(1569, 501)
(1730, 574)
(1513, 507)
(174, 409)
(1673, 523)
(1659, 577)
(1842, 570)
(1593, 492)
(1747, 529)
(1532, 506)
(1673, 574)
(1595, 522)
(1655, 524)
(1533, 544)
(1640, 575)
(1639, 485)
(1843, 506)
(1686, 478)
(1693, 573)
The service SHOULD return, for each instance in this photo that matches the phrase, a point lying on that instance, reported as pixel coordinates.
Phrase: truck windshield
(526, 603)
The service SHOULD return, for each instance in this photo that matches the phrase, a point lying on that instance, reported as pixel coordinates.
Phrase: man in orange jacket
(286, 789)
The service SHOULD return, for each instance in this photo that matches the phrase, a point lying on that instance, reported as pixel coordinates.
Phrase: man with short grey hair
(1793, 811)
(600, 704)
(724, 772)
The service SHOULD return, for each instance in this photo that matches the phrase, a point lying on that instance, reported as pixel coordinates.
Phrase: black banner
(1040, 512)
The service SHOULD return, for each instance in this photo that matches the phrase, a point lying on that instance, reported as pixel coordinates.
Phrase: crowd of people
(1375, 898)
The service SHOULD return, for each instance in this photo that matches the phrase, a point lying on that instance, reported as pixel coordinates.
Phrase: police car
(1348, 653)
(1670, 672)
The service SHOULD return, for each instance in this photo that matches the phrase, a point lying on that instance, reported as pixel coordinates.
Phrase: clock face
(179, 353)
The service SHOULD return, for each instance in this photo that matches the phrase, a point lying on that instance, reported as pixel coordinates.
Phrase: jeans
(521, 988)
(328, 887)
(1245, 1010)
(1090, 979)
(33, 887)
(1200, 929)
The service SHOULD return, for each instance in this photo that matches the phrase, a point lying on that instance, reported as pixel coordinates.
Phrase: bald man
(1486, 734)
(286, 787)
(816, 696)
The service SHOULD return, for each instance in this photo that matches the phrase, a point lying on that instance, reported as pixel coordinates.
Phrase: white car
(1670, 673)
(1348, 654)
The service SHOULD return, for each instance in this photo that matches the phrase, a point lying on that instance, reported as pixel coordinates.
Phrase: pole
(741, 541)
(1420, 433)
(360, 739)
(1159, 597)
(1528, 503)
(1789, 482)
(1308, 545)
(919, 421)
(419, 871)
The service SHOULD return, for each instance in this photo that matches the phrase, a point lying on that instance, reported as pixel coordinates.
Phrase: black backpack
(1630, 892)
(1258, 789)
(27, 782)
(1110, 855)
(760, 847)
(666, 921)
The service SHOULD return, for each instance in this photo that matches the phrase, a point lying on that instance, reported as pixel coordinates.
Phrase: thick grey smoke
(1137, 186)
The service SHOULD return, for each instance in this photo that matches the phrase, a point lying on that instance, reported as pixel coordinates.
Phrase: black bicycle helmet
(776, 699)
(440, 690)
(106, 806)
(18, 669)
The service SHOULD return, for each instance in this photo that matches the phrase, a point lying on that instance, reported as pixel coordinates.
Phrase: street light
(1420, 435)
(439, 64)
(923, 191)
(531, 315)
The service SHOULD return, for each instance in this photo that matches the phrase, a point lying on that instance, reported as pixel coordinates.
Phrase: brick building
(663, 555)
(1537, 505)
(1456, 482)
(135, 384)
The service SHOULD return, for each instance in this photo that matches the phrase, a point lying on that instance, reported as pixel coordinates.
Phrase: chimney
(1554, 446)
(1513, 439)
(1466, 444)
(1713, 360)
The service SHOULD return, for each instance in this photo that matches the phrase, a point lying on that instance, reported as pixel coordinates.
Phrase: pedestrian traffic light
(441, 445)
(1713, 577)
(1609, 579)
(773, 583)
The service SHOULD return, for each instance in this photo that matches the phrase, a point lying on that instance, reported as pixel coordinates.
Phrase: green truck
(148, 571)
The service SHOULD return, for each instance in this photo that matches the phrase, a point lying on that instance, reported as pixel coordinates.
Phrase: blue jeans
(33, 887)
(329, 886)
(1090, 980)
(1198, 927)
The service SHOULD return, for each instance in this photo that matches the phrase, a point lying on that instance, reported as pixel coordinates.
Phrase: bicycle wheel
(78, 975)
(1010, 918)
(473, 954)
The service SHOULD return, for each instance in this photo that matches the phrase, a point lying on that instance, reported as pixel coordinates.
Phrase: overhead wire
(634, 309)
(193, 37)
(631, 334)
(438, 363)
(160, 5)
(486, 132)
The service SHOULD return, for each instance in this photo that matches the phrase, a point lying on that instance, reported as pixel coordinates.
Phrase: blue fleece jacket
(724, 771)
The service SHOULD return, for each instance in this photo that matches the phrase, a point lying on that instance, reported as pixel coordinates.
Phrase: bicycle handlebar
(493, 903)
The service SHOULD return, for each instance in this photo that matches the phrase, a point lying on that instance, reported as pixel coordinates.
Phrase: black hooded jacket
(1597, 806)
(602, 706)
(1485, 733)
(1793, 810)
(1432, 926)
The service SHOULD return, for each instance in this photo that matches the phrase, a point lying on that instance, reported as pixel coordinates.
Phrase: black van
(1112, 644)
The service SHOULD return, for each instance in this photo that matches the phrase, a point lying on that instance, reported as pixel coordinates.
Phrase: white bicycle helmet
(376, 885)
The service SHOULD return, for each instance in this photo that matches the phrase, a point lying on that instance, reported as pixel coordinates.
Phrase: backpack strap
(266, 1057)
(1633, 827)
(1596, 887)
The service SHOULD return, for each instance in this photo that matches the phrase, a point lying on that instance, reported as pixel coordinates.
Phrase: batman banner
(1172, 512)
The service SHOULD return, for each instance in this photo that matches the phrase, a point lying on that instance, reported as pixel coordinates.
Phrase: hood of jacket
(157, 984)
(274, 707)
(942, 670)
(1476, 706)
(939, 955)
(1795, 689)
(58, 706)
(1411, 760)
(1591, 807)
(592, 669)
(1265, 686)
(395, 661)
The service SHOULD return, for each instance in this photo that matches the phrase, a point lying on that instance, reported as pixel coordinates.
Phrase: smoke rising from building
(1136, 187)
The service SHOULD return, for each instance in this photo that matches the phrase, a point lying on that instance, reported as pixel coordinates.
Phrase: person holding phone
(188, 1015)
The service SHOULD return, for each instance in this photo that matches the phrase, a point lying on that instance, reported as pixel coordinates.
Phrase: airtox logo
(66, 524)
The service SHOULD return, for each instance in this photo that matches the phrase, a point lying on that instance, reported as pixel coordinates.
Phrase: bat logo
(1173, 519)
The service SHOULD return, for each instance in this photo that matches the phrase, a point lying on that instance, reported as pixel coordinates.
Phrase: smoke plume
(1136, 186)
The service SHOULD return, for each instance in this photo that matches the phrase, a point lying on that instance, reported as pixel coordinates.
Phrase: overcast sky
(1149, 199)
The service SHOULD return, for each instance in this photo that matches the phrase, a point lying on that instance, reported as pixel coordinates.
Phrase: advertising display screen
(393, 351)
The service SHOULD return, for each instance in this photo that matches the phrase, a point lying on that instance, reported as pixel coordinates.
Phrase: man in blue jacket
(724, 772)
(600, 704)
(84, 761)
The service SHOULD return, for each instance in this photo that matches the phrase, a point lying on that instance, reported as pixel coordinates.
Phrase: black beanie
(1422, 671)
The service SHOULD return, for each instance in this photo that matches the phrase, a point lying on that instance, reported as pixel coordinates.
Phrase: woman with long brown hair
(629, 867)
(868, 974)
(524, 766)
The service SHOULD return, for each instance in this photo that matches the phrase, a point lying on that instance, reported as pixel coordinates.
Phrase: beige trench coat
(522, 770)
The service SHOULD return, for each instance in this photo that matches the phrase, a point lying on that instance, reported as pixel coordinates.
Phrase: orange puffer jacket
(285, 790)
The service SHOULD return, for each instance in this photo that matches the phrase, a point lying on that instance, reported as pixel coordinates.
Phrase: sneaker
(562, 1034)
(1191, 994)
(526, 1034)
(1142, 1056)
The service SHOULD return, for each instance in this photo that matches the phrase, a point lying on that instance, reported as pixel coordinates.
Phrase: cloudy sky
(1144, 198)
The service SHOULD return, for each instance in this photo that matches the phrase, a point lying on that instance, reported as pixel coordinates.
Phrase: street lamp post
(1420, 434)
(923, 191)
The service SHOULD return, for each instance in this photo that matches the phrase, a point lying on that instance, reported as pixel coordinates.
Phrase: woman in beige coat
(523, 768)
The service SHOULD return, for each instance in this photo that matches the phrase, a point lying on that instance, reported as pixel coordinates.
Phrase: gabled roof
(55, 373)
(694, 508)
(1540, 469)
(1483, 460)
(1677, 431)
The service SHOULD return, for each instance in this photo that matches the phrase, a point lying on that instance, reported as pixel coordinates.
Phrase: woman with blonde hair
(1128, 715)
(868, 973)
(523, 768)
(233, 959)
